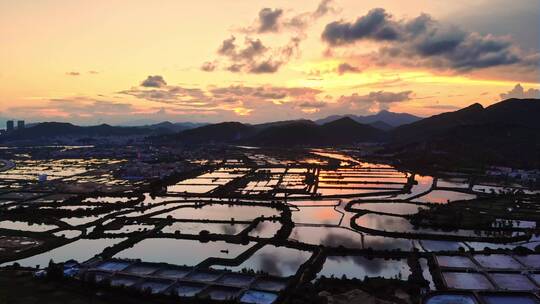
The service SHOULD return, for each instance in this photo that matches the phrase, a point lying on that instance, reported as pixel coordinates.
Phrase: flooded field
(247, 228)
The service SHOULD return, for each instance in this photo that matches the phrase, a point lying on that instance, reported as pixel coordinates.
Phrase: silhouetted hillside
(287, 133)
(381, 125)
(506, 133)
(282, 123)
(523, 112)
(173, 127)
(51, 130)
(390, 118)
(423, 129)
(224, 132)
(293, 134)
(346, 130)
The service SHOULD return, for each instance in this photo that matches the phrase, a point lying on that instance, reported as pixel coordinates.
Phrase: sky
(135, 62)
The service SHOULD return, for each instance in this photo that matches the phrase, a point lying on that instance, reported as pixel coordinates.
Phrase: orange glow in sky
(91, 62)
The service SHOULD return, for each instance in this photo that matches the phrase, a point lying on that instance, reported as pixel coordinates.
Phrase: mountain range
(50, 131)
(384, 120)
(347, 130)
(505, 131)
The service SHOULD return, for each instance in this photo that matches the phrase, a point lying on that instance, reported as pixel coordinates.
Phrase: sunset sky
(117, 62)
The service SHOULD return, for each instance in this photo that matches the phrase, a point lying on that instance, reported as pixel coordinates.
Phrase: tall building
(20, 124)
(10, 126)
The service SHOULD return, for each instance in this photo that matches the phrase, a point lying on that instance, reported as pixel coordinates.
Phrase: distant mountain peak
(475, 106)
(390, 118)
(346, 120)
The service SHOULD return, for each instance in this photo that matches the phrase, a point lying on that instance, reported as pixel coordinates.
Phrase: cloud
(271, 93)
(519, 92)
(80, 108)
(267, 66)
(423, 41)
(254, 57)
(312, 104)
(253, 48)
(235, 68)
(275, 20)
(521, 20)
(346, 68)
(269, 20)
(74, 73)
(311, 107)
(441, 107)
(156, 81)
(376, 25)
(228, 47)
(236, 100)
(324, 8)
(208, 66)
(375, 101)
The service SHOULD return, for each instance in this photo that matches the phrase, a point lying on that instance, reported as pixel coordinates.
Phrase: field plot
(250, 226)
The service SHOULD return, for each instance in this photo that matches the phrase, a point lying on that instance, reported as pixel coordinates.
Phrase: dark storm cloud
(520, 20)
(478, 51)
(438, 42)
(519, 92)
(423, 41)
(156, 81)
(269, 20)
(375, 25)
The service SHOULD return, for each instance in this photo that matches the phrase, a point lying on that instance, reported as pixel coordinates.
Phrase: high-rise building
(10, 126)
(20, 124)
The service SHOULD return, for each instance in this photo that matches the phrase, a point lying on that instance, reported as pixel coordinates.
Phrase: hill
(173, 127)
(389, 118)
(381, 125)
(287, 133)
(49, 131)
(422, 129)
(522, 112)
(505, 133)
(224, 132)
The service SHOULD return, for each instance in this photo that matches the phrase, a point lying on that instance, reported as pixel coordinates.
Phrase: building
(9, 126)
(20, 124)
